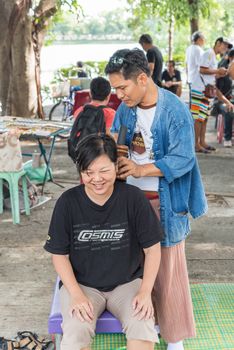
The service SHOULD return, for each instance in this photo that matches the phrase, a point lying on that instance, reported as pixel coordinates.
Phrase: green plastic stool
(13, 180)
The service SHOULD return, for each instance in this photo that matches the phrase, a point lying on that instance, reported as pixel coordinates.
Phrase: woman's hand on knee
(82, 308)
(142, 306)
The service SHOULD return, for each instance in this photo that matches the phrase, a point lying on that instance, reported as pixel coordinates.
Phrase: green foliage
(93, 69)
(152, 16)
(71, 5)
(181, 10)
(220, 22)
(164, 9)
(97, 68)
(110, 23)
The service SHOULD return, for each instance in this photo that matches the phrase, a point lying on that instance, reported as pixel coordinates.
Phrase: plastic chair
(106, 323)
(81, 98)
(13, 180)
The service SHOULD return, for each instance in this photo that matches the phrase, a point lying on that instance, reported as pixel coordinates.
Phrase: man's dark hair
(92, 147)
(172, 62)
(145, 39)
(80, 64)
(225, 41)
(130, 63)
(99, 88)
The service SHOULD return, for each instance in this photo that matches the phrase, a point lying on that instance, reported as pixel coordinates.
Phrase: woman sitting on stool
(98, 235)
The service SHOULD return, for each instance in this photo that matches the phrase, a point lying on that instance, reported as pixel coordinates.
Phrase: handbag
(10, 152)
(210, 90)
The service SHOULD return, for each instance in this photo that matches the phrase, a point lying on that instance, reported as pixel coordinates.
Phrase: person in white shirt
(193, 56)
(200, 104)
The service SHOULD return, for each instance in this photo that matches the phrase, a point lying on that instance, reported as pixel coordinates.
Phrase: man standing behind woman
(205, 74)
(160, 137)
(154, 57)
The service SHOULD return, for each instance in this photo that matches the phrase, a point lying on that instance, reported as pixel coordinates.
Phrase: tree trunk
(171, 37)
(194, 25)
(21, 38)
(43, 12)
(194, 15)
(17, 61)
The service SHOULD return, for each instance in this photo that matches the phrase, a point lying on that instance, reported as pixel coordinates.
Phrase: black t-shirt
(82, 74)
(154, 56)
(104, 243)
(224, 84)
(175, 77)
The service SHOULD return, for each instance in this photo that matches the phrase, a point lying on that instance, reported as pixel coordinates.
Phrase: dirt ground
(27, 277)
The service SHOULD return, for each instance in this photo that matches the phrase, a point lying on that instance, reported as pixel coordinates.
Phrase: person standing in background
(193, 56)
(154, 57)
(200, 104)
(80, 70)
(225, 58)
(225, 86)
(171, 79)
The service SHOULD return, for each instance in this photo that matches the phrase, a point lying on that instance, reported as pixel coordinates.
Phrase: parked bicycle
(63, 108)
(63, 93)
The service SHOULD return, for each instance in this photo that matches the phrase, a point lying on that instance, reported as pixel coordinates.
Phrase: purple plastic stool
(106, 323)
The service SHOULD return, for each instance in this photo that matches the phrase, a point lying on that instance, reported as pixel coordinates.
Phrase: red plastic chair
(114, 101)
(82, 98)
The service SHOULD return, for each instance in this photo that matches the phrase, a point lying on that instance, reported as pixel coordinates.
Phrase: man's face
(131, 92)
(223, 47)
(201, 41)
(144, 46)
(170, 67)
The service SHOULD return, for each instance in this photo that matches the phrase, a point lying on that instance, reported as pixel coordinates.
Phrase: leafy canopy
(181, 10)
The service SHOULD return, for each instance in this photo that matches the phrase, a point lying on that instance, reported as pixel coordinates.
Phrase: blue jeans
(228, 122)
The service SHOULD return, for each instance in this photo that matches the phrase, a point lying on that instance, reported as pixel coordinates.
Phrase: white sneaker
(175, 346)
(227, 143)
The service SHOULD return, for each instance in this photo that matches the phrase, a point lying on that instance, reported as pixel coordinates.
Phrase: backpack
(89, 121)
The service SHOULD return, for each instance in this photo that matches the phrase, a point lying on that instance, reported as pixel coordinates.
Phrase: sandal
(7, 344)
(203, 150)
(31, 341)
(210, 148)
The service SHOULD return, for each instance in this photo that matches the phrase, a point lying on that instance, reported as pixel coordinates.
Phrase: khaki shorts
(78, 335)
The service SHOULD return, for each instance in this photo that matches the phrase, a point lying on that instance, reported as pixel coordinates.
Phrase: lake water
(57, 56)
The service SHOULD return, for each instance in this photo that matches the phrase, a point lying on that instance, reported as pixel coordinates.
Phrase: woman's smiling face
(99, 178)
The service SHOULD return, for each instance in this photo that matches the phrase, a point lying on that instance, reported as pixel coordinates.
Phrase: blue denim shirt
(181, 190)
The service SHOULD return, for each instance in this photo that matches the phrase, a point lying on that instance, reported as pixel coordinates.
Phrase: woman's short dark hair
(100, 88)
(130, 63)
(93, 146)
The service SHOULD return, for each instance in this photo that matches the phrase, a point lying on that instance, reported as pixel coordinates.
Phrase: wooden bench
(106, 323)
